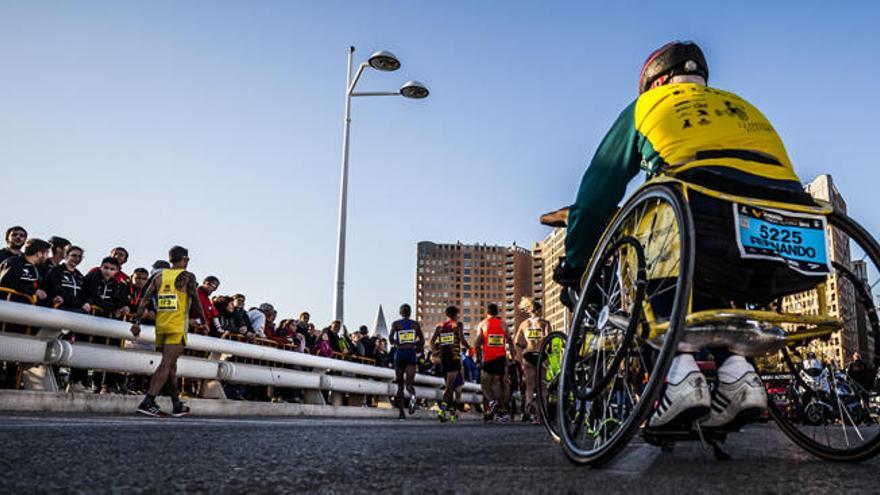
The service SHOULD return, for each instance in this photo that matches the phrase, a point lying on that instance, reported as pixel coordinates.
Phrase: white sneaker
(745, 399)
(683, 402)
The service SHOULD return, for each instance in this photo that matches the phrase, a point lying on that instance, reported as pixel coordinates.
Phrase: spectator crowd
(48, 273)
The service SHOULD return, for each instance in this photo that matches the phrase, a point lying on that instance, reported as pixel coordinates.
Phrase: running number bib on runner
(496, 340)
(447, 338)
(167, 302)
(534, 333)
(796, 239)
(406, 337)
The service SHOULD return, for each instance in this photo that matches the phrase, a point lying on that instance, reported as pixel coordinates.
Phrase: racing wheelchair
(683, 267)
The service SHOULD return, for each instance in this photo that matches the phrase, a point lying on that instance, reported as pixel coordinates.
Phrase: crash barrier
(274, 366)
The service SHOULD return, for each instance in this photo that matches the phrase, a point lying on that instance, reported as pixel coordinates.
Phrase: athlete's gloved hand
(565, 297)
(567, 275)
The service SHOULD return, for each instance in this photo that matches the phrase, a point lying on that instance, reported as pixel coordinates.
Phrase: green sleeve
(615, 163)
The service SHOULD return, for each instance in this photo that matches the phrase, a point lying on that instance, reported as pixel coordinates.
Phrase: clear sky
(218, 125)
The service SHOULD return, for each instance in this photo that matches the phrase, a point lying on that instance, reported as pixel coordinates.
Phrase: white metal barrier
(46, 348)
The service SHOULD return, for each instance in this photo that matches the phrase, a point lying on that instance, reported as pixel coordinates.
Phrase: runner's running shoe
(149, 408)
(180, 410)
(412, 404)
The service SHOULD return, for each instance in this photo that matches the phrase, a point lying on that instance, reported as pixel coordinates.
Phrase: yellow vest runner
(172, 305)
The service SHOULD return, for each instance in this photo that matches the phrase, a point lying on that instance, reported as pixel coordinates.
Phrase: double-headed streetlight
(386, 62)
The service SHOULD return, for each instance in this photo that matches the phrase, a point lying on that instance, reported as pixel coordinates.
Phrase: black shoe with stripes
(150, 408)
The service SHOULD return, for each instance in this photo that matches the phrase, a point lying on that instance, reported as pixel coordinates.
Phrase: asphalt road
(113, 454)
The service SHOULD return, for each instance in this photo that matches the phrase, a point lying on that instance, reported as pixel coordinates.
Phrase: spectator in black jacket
(240, 316)
(103, 289)
(226, 311)
(15, 239)
(121, 256)
(859, 372)
(64, 283)
(59, 252)
(366, 344)
(21, 273)
(381, 355)
(302, 328)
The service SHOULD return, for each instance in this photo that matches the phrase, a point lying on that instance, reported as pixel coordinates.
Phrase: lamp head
(414, 89)
(384, 61)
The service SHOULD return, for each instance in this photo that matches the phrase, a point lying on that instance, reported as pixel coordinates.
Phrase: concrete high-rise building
(551, 249)
(518, 282)
(840, 299)
(538, 272)
(470, 276)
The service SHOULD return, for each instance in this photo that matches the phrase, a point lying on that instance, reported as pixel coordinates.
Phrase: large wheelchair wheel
(548, 367)
(837, 418)
(626, 325)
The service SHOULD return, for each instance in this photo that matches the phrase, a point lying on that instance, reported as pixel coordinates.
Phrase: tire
(547, 389)
(796, 425)
(633, 237)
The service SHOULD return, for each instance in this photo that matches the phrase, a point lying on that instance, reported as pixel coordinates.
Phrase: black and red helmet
(673, 59)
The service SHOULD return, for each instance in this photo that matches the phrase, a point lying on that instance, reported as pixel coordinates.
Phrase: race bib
(795, 239)
(496, 340)
(534, 333)
(406, 337)
(447, 338)
(167, 302)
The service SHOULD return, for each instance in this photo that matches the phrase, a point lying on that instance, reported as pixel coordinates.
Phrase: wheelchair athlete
(679, 126)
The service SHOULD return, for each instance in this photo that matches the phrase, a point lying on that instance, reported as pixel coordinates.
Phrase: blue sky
(218, 125)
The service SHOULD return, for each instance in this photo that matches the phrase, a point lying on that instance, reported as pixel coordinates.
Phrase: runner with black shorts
(408, 339)
(447, 342)
(492, 343)
(529, 337)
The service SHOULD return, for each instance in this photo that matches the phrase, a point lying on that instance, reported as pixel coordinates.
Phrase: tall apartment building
(518, 282)
(470, 276)
(538, 272)
(840, 294)
(551, 249)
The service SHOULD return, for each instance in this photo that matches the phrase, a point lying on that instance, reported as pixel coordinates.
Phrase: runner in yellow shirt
(176, 301)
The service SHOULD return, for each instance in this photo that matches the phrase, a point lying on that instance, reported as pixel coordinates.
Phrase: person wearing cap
(261, 317)
(681, 127)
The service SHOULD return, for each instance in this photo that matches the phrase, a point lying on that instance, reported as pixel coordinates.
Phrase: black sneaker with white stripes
(148, 407)
(180, 410)
(682, 403)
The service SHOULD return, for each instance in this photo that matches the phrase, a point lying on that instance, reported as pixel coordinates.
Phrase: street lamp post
(382, 61)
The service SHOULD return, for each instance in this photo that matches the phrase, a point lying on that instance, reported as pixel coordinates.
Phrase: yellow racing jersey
(698, 133)
(172, 305)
